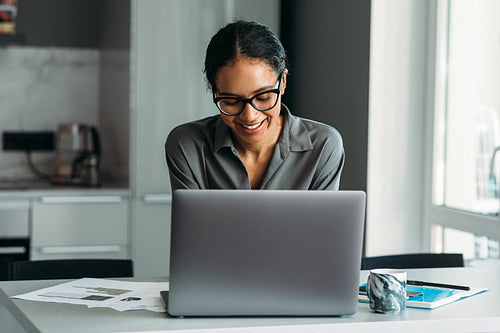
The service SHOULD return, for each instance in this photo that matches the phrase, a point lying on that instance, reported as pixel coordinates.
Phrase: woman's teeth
(251, 127)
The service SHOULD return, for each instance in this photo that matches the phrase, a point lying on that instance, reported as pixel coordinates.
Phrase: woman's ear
(283, 85)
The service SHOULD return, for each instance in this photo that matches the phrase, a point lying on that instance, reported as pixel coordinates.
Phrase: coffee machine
(78, 155)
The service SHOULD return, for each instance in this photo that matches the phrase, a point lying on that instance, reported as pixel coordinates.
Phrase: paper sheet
(114, 294)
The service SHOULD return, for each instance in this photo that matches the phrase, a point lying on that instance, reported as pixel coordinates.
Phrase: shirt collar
(294, 137)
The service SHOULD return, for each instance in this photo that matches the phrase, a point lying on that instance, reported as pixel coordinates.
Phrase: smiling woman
(255, 142)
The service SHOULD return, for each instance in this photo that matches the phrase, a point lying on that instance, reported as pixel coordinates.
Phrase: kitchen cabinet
(61, 23)
(80, 226)
(168, 43)
(14, 233)
(151, 235)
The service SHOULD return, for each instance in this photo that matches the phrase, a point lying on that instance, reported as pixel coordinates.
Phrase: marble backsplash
(41, 88)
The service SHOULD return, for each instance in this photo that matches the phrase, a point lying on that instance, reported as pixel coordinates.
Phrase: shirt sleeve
(331, 164)
(177, 149)
(331, 181)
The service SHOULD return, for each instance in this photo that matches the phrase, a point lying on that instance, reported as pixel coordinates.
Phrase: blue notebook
(432, 297)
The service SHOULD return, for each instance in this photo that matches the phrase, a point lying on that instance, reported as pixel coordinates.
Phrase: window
(466, 175)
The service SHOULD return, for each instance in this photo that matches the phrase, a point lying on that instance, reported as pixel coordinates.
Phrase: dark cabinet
(63, 23)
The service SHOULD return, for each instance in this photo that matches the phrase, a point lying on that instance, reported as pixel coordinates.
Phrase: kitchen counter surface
(26, 189)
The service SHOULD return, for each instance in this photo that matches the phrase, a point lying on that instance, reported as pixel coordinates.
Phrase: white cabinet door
(151, 235)
(80, 227)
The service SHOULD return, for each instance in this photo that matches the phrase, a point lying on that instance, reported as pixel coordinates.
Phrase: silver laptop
(265, 253)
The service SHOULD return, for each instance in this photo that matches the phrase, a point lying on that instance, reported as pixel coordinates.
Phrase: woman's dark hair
(243, 39)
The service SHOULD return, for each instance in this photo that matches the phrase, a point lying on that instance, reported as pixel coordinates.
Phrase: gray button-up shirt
(308, 156)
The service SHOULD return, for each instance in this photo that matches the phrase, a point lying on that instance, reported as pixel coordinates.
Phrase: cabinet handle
(82, 199)
(157, 198)
(80, 249)
(12, 250)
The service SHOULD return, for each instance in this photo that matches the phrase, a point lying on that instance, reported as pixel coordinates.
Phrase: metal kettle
(78, 155)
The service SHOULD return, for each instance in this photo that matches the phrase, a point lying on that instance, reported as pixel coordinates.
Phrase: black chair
(414, 260)
(70, 269)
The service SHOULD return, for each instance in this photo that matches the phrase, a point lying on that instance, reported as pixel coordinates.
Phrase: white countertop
(29, 189)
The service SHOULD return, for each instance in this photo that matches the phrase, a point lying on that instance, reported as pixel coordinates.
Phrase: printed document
(94, 293)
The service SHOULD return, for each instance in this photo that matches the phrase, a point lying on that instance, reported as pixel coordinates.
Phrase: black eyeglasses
(232, 106)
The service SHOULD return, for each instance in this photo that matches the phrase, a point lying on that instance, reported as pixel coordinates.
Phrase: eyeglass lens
(262, 102)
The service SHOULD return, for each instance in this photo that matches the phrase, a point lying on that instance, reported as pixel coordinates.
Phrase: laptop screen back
(274, 253)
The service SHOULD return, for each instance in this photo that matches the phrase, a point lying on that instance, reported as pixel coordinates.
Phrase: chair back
(70, 269)
(414, 260)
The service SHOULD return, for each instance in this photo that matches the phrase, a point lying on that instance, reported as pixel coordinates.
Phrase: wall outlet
(28, 141)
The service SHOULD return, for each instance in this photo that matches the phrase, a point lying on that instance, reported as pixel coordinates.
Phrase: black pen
(439, 285)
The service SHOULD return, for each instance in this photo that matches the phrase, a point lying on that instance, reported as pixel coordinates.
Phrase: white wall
(396, 137)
